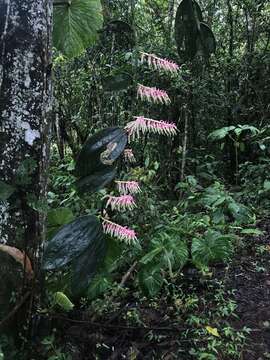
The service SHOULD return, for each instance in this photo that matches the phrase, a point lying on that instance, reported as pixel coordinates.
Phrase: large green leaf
(220, 133)
(71, 241)
(186, 30)
(212, 247)
(95, 182)
(75, 25)
(85, 266)
(188, 17)
(150, 279)
(57, 218)
(206, 42)
(100, 151)
(179, 254)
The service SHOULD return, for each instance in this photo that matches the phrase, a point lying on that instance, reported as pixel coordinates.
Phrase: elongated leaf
(71, 241)
(95, 182)
(266, 185)
(188, 17)
(100, 151)
(206, 41)
(85, 266)
(255, 232)
(186, 30)
(63, 301)
(220, 133)
(75, 25)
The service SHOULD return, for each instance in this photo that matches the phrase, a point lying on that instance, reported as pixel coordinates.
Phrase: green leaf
(75, 25)
(212, 331)
(266, 185)
(59, 216)
(255, 232)
(150, 279)
(220, 133)
(95, 182)
(150, 256)
(5, 190)
(63, 301)
(98, 286)
(206, 42)
(211, 248)
(85, 266)
(100, 151)
(71, 241)
(180, 254)
(187, 18)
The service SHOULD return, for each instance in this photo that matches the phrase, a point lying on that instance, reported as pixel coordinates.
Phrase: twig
(128, 273)
(94, 324)
(15, 309)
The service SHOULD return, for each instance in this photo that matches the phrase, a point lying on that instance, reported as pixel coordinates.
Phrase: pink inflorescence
(153, 94)
(128, 187)
(121, 202)
(142, 125)
(158, 63)
(129, 156)
(121, 232)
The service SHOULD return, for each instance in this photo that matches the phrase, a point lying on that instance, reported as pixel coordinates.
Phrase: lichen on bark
(25, 105)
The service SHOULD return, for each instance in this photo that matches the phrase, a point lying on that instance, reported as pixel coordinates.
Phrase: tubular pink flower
(158, 63)
(121, 232)
(121, 202)
(153, 94)
(128, 187)
(143, 125)
(129, 156)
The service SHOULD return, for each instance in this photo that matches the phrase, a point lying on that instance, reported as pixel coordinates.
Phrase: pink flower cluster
(158, 63)
(121, 202)
(129, 156)
(128, 187)
(153, 94)
(134, 128)
(143, 125)
(121, 232)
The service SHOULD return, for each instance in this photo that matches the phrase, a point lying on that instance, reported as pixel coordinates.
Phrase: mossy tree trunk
(25, 106)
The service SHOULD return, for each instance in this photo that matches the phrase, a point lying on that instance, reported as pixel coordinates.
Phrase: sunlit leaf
(212, 331)
(75, 25)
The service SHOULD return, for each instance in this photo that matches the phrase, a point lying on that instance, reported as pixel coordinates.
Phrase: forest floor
(174, 326)
(250, 276)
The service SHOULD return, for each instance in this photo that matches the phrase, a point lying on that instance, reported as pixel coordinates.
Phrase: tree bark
(25, 106)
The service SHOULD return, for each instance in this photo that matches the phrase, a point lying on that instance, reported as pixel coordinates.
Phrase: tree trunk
(170, 20)
(25, 106)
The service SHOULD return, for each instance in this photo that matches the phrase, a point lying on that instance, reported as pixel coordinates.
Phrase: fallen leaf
(63, 301)
(20, 257)
(212, 331)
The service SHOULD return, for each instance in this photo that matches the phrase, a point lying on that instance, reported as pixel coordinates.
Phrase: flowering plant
(134, 129)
